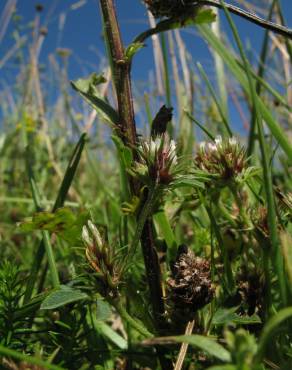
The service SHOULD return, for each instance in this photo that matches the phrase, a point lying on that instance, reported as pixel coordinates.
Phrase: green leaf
(224, 316)
(87, 88)
(125, 158)
(88, 85)
(103, 310)
(223, 367)
(206, 344)
(269, 329)
(29, 359)
(61, 297)
(198, 17)
(205, 16)
(124, 151)
(108, 332)
(161, 220)
(63, 222)
(132, 49)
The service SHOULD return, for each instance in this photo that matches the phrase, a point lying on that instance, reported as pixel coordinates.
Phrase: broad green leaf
(206, 344)
(103, 310)
(66, 224)
(88, 85)
(61, 297)
(225, 316)
(87, 88)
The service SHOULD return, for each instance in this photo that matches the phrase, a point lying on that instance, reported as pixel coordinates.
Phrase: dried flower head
(169, 8)
(223, 160)
(190, 287)
(158, 161)
(100, 255)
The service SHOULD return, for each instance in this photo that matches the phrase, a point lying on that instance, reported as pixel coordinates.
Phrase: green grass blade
(269, 329)
(217, 103)
(46, 237)
(64, 188)
(70, 172)
(162, 221)
(207, 132)
(232, 64)
(272, 216)
(29, 359)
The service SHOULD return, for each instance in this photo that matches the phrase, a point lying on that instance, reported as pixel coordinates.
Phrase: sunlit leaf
(87, 87)
(61, 297)
(66, 224)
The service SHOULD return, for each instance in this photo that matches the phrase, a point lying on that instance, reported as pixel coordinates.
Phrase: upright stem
(121, 69)
(121, 73)
(153, 275)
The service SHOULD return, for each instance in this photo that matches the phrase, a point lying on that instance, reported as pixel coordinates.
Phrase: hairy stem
(121, 73)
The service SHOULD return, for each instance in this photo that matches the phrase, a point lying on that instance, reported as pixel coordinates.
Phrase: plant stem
(121, 73)
(153, 275)
(129, 319)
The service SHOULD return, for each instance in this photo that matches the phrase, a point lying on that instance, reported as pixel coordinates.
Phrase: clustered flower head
(190, 287)
(157, 161)
(169, 8)
(100, 255)
(225, 160)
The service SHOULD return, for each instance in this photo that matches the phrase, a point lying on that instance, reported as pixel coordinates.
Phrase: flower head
(224, 160)
(190, 287)
(157, 161)
(100, 255)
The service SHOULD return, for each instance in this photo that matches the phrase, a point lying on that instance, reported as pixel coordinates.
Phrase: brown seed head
(190, 287)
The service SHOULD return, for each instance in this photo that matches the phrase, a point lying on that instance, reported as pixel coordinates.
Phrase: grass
(164, 249)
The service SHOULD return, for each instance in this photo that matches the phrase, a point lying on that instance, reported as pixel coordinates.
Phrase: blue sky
(81, 32)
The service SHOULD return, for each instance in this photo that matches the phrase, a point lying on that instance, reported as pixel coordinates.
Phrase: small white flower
(218, 140)
(203, 145)
(232, 141)
(212, 147)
